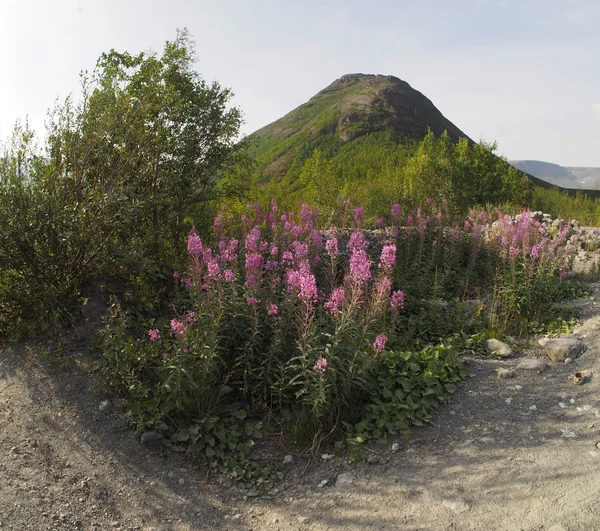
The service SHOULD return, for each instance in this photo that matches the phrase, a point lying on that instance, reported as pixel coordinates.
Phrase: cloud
(596, 108)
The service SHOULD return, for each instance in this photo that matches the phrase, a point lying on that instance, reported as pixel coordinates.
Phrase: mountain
(352, 106)
(572, 177)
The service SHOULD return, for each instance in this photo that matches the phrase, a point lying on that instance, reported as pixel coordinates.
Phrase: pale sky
(523, 73)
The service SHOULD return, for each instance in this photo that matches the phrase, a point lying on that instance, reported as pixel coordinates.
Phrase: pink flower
(186, 282)
(321, 365)
(360, 267)
(397, 300)
(357, 242)
(252, 240)
(177, 327)
(229, 275)
(253, 261)
(332, 247)
(154, 335)
(251, 301)
(176, 275)
(378, 223)
(213, 270)
(388, 257)
(273, 309)
(194, 244)
(357, 214)
(336, 299)
(379, 343)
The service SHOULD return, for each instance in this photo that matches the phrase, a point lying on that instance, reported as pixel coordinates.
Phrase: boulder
(562, 348)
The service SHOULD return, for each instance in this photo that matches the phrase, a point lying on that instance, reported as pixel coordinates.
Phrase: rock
(344, 480)
(104, 405)
(457, 505)
(14, 450)
(499, 348)
(395, 447)
(288, 460)
(322, 483)
(543, 340)
(505, 373)
(568, 360)
(152, 439)
(303, 519)
(327, 457)
(562, 348)
(532, 365)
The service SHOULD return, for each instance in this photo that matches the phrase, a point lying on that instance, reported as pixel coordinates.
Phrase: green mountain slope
(352, 106)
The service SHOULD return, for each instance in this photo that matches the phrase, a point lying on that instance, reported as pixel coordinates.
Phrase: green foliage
(406, 389)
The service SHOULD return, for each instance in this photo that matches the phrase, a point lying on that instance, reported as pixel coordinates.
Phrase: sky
(522, 73)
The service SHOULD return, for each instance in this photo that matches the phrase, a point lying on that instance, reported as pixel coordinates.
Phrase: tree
(123, 173)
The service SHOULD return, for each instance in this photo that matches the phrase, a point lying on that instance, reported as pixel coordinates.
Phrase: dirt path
(491, 461)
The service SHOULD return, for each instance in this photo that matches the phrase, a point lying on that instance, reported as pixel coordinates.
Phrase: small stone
(327, 457)
(303, 519)
(505, 373)
(322, 483)
(104, 405)
(499, 348)
(344, 480)
(152, 439)
(532, 365)
(598, 445)
(181, 481)
(288, 459)
(568, 360)
(395, 447)
(508, 401)
(14, 450)
(456, 505)
(562, 405)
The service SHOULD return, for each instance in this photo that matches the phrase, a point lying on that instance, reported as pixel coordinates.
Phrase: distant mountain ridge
(573, 177)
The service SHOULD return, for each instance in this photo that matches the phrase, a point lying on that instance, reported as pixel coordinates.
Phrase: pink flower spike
(273, 309)
(177, 327)
(397, 300)
(379, 344)
(194, 244)
(154, 335)
(321, 365)
(251, 301)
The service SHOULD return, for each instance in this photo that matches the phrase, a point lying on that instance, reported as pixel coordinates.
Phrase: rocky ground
(521, 452)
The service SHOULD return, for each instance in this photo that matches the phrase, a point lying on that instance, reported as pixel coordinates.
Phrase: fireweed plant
(313, 329)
